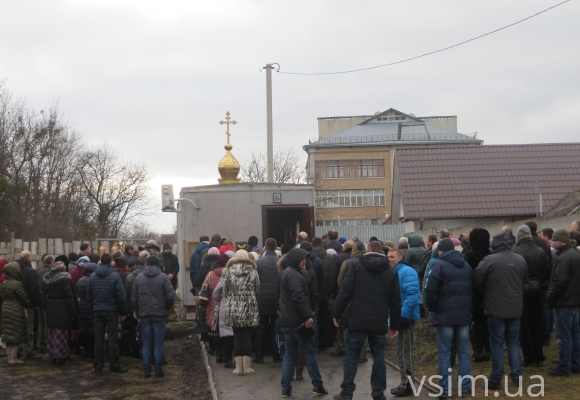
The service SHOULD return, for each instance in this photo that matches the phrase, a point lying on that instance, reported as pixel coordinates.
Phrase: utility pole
(269, 129)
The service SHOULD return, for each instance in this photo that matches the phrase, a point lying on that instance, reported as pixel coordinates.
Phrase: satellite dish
(412, 115)
(377, 113)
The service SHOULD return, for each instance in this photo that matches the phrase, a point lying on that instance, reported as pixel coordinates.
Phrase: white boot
(247, 365)
(239, 367)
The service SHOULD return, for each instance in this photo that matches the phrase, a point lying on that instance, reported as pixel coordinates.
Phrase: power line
(426, 54)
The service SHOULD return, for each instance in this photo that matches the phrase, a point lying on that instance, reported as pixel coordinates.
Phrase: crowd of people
(74, 303)
(348, 296)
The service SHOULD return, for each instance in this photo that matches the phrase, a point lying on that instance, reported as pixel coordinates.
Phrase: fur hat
(58, 266)
(214, 251)
(561, 235)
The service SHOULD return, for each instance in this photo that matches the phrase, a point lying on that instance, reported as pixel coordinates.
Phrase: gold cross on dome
(228, 122)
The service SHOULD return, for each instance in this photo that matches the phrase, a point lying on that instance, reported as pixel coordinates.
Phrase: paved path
(265, 383)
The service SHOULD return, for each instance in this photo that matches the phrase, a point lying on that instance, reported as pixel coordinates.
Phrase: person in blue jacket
(410, 299)
(448, 294)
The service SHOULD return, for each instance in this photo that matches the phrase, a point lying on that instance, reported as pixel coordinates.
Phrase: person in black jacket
(31, 287)
(327, 287)
(171, 263)
(267, 303)
(61, 311)
(564, 297)
(295, 311)
(532, 329)
(333, 243)
(372, 289)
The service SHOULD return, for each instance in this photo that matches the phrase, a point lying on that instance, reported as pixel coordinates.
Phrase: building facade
(352, 169)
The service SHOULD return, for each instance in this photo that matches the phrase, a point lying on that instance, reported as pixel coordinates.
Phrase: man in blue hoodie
(448, 295)
(106, 295)
(410, 299)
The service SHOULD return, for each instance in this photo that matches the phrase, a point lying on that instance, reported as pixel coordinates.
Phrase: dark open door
(307, 224)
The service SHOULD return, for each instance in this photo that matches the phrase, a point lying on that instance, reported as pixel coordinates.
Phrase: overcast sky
(155, 77)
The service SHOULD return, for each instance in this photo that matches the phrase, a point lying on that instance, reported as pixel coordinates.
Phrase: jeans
(445, 335)
(405, 344)
(293, 341)
(504, 330)
(266, 335)
(568, 335)
(315, 326)
(152, 333)
(547, 316)
(354, 342)
(106, 322)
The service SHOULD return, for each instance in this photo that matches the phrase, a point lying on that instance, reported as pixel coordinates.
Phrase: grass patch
(180, 325)
(425, 361)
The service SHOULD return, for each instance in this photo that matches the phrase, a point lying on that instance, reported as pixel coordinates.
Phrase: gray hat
(152, 260)
(522, 232)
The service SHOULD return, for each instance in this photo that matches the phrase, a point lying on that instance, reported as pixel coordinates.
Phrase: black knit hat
(152, 260)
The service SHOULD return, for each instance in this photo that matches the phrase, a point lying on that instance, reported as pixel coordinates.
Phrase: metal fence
(365, 232)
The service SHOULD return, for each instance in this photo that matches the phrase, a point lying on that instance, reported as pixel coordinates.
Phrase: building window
(348, 169)
(350, 198)
(349, 222)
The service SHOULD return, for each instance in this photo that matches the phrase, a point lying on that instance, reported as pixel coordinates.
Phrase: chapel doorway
(284, 221)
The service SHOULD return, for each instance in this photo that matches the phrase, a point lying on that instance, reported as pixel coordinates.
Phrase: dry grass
(425, 358)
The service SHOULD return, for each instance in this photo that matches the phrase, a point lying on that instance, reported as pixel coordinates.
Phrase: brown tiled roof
(485, 181)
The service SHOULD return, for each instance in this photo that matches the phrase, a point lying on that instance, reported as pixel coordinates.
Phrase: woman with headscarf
(241, 288)
(226, 332)
(479, 244)
(213, 279)
(61, 311)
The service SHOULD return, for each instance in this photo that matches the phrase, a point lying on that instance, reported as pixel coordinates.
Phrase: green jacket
(413, 255)
(14, 307)
(241, 288)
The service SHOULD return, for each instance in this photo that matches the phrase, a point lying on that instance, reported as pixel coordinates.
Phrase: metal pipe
(269, 128)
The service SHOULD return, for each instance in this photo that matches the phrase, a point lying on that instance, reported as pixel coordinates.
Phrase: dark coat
(424, 261)
(15, 301)
(106, 292)
(268, 274)
(413, 255)
(338, 260)
(372, 289)
(30, 283)
(204, 269)
(45, 270)
(538, 268)
(195, 260)
(85, 316)
(294, 298)
(129, 283)
(334, 244)
(328, 285)
(153, 294)
(501, 277)
(564, 290)
(479, 244)
(449, 290)
(61, 305)
(171, 263)
(316, 265)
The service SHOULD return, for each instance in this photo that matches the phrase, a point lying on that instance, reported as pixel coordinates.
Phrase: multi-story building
(351, 161)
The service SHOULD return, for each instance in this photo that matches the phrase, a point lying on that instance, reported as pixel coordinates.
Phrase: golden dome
(229, 168)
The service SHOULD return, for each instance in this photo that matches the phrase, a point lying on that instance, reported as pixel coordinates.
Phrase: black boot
(211, 351)
(228, 346)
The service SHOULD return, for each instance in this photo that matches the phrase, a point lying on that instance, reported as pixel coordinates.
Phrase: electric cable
(426, 54)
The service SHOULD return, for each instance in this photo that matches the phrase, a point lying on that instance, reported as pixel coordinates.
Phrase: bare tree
(288, 168)
(116, 193)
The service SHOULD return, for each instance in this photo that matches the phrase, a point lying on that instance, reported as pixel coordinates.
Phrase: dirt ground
(425, 358)
(185, 378)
